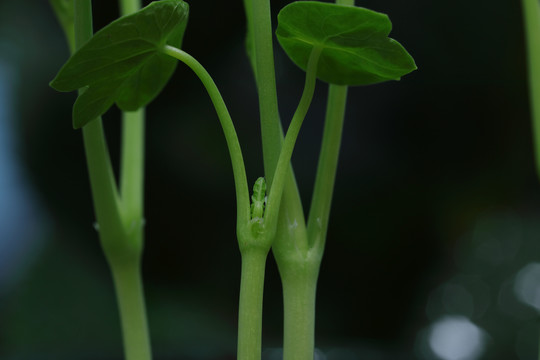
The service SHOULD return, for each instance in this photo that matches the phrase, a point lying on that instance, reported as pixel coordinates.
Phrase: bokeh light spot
(456, 338)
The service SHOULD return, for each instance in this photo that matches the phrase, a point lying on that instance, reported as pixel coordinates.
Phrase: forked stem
(121, 239)
(274, 197)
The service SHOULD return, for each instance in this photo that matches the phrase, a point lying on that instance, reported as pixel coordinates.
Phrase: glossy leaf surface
(123, 62)
(355, 42)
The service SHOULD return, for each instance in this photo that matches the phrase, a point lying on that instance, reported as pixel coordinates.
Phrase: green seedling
(129, 62)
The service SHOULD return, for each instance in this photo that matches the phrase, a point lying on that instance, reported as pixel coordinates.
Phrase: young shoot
(129, 62)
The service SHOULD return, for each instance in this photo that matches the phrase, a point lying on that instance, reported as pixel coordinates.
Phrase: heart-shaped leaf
(355, 42)
(123, 62)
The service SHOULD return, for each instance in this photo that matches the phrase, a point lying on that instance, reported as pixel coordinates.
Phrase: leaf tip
(79, 120)
(76, 123)
(54, 84)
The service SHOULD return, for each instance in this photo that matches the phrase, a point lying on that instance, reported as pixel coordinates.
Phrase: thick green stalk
(531, 15)
(251, 304)
(239, 172)
(129, 291)
(132, 169)
(102, 182)
(299, 271)
(132, 156)
(321, 200)
(299, 288)
(272, 135)
(127, 277)
(121, 238)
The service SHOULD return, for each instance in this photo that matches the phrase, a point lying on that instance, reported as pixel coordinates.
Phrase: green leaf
(123, 62)
(355, 42)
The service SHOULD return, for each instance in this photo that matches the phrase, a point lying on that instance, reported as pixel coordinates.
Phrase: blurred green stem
(129, 291)
(531, 16)
(127, 274)
(119, 218)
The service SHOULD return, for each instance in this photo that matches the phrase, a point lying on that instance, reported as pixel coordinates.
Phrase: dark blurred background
(433, 247)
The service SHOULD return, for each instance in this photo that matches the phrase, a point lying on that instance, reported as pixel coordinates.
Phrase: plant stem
(129, 290)
(121, 242)
(299, 271)
(274, 197)
(240, 180)
(64, 13)
(132, 168)
(251, 304)
(254, 251)
(321, 201)
(272, 135)
(102, 182)
(291, 223)
(132, 154)
(129, 6)
(127, 275)
(299, 289)
(531, 15)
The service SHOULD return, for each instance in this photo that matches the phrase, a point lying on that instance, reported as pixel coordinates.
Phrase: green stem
(121, 244)
(321, 202)
(132, 168)
(299, 289)
(64, 13)
(274, 197)
(531, 15)
(132, 154)
(239, 172)
(129, 291)
(272, 135)
(250, 41)
(129, 6)
(251, 304)
(102, 182)
(127, 276)
(104, 193)
(298, 277)
(291, 224)
(299, 272)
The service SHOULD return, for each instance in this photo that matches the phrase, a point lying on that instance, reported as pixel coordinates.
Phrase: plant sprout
(128, 63)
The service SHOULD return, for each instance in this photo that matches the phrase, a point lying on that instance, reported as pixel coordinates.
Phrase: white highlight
(527, 285)
(456, 338)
